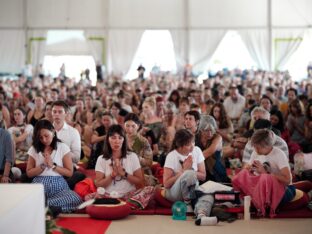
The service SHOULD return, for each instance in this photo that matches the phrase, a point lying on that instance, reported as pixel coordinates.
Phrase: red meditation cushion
(109, 211)
(161, 200)
(299, 201)
(85, 187)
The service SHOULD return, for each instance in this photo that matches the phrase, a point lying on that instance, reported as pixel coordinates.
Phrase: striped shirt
(278, 142)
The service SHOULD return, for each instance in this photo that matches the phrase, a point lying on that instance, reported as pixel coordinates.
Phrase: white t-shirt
(57, 157)
(234, 109)
(17, 131)
(276, 158)
(122, 186)
(70, 136)
(174, 159)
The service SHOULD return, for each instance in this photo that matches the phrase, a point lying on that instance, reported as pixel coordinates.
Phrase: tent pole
(25, 29)
(270, 48)
(187, 31)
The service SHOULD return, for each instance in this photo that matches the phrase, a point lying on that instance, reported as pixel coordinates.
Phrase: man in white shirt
(69, 135)
(234, 104)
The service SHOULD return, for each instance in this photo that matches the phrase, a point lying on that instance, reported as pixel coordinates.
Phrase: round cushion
(161, 200)
(300, 200)
(109, 211)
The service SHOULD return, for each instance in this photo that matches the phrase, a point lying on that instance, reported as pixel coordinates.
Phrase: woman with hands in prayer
(49, 161)
(119, 171)
(183, 168)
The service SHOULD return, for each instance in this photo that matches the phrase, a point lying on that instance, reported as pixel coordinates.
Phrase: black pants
(75, 178)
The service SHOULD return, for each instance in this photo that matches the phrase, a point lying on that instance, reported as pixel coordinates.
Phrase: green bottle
(179, 211)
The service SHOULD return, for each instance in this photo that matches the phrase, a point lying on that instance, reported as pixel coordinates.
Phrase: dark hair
(55, 90)
(292, 89)
(21, 109)
(251, 102)
(224, 121)
(308, 115)
(295, 103)
(3, 93)
(266, 97)
(262, 124)
(194, 106)
(121, 94)
(107, 150)
(177, 94)
(280, 125)
(193, 113)
(106, 113)
(61, 103)
(270, 89)
(182, 138)
(116, 104)
(43, 124)
(303, 97)
(133, 117)
(185, 100)
(49, 103)
(123, 112)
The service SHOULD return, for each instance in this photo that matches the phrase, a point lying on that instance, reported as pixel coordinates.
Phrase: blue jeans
(289, 194)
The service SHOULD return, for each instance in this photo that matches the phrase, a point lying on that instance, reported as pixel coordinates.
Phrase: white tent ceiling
(105, 16)
(129, 14)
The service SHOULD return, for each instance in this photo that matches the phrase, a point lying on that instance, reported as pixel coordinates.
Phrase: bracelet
(111, 175)
(126, 175)
(5, 175)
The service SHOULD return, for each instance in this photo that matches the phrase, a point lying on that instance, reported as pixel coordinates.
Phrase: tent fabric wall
(291, 13)
(72, 46)
(53, 14)
(257, 43)
(181, 17)
(149, 14)
(285, 42)
(12, 50)
(227, 14)
(122, 46)
(60, 42)
(97, 44)
(179, 44)
(203, 44)
(11, 14)
(146, 14)
(36, 47)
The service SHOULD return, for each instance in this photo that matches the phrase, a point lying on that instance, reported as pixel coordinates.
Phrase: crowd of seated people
(191, 129)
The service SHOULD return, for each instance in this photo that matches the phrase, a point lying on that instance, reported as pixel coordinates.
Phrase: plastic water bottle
(247, 201)
(100, 192)
(179, 211)
(299, 163)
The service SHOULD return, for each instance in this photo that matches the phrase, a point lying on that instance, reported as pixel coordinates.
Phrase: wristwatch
(43, 166)
(126, 175)
(54, 166)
